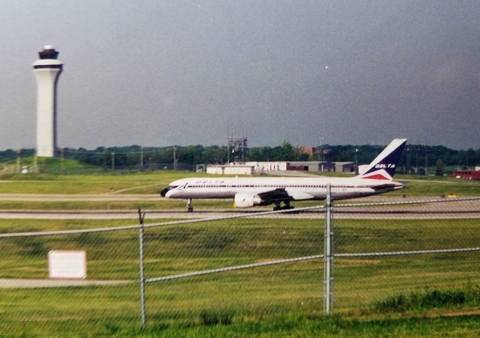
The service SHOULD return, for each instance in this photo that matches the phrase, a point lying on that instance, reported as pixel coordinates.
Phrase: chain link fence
(255, 267)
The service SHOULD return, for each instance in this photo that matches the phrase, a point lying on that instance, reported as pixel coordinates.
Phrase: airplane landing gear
(285, 207)
(189, 205)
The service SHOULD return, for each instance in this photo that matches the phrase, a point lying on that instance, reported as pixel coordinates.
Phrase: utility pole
(35, 163)
(408, 161)
(356, 161)
(19, 153)
(321, 157)
(418, 173)
(174, 158)
(62, 160)
(426, 162)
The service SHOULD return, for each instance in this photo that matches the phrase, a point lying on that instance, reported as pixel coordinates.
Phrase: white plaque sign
(67, 264)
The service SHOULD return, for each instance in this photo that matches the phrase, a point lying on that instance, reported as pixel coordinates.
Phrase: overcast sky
(158, 73)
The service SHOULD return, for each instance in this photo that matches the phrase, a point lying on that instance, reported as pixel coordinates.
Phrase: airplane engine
(247, 200)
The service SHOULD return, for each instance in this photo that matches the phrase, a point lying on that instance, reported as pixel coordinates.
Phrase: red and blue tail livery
(384, 165)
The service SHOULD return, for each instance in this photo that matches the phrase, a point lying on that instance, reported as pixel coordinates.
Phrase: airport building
(250, 168)
(473, 175)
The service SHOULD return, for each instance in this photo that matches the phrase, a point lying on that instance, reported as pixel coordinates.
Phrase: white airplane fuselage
(297, 188)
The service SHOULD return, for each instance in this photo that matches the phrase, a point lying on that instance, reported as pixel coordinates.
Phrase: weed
(429, 299)
(215, 317)
(112, 328)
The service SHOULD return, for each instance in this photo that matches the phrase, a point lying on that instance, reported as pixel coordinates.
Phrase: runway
(359, 209)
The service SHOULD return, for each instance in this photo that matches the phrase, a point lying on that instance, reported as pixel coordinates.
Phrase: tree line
(413, 157)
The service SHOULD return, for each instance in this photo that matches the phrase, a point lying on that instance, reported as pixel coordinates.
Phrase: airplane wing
(281, 194)
(300, 196)
(392, 185)
(262, 197)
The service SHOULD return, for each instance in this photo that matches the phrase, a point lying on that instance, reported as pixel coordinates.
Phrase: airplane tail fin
(384, 165)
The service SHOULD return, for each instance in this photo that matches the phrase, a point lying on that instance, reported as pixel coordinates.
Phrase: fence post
(141, 217)
(328, 253)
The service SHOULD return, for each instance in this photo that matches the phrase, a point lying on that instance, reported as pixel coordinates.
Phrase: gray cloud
(195, 72)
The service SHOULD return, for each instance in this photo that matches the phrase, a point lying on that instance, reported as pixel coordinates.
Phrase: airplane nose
(164, 192)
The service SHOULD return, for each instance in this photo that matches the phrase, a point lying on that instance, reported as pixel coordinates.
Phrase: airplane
(246, 192)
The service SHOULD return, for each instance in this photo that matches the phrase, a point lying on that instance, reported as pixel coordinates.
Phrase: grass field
(152, 182)
(372, 296)
(283, 300)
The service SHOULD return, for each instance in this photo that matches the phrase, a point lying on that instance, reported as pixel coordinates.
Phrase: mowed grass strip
(181, 248)
(153, 182)
(112, 205)
(150, 183)
(140, 183)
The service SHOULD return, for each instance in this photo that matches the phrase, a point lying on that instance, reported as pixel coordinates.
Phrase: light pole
(408, 161)
(175, 158)
(426, 162)
(356, 161)
(19, 154)
(418, 172)
(321, 152)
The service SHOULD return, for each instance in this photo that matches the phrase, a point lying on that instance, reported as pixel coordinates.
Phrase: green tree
(260, 154)
(440, 168)
(190, 154)
(285, 152)
(215, 155)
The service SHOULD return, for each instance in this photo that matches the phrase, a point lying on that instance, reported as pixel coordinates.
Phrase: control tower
(47, 71)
